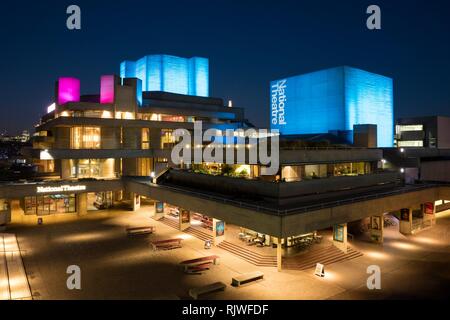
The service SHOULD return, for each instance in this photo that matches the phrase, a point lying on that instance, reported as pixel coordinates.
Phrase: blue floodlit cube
(333, 99)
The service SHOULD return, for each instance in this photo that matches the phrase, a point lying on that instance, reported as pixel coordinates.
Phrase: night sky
(248, 43)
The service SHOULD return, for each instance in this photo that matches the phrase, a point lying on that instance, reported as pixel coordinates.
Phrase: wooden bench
(246, 278)
(137, 231)
(189, 264)
(217, 286)
(166, 244)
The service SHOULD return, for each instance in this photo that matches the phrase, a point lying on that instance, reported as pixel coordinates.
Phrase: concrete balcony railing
(283, 192)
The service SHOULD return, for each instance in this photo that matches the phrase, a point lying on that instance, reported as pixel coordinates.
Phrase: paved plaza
(114, 266)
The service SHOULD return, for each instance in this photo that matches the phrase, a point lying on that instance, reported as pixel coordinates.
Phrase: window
(403, 128)
(85, 138)
(417, 143)
(167, 138)
(145, 138)
(51, 204)
(92, 168)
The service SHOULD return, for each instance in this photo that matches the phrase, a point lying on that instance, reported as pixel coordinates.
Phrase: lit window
(85, 138)
(418, 143)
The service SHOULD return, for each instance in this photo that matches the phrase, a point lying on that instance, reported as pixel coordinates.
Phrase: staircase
(326, 256)
(248, 255)
(169, 222)
(199, 234)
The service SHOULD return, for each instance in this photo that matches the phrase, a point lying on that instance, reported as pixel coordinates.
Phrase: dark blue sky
(248, 43)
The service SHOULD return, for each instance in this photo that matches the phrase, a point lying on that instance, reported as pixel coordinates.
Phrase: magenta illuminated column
(68, 90)
(107, 89)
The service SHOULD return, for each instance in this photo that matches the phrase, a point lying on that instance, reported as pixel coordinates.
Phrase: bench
(166, 244)
(198, 269)
(246, 278)
(189, 264)
(137, 231)
(217, 286)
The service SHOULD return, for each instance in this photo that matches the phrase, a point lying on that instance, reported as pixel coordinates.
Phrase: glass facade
(51, 204)
(333, 99)
(92, 168)
(318, 171)
(85, 138)
(168, 73)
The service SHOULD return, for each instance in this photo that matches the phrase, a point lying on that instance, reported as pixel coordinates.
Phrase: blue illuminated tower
(333, 99)
(170, 74)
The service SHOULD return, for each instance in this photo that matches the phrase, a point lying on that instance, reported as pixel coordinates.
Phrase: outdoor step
(247, 252)
(331, 258)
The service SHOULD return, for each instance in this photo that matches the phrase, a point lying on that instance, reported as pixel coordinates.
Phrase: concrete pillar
(159, 210)
(16, 211)
(377, 228)
(429, 214)
(340, 236)
(184, 218)
(135, 201)
(81, 199)
(5, 214)
(218, 231)
(405, 224)
(279, 254)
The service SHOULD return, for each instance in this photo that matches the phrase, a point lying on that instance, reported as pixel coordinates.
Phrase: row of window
(90, 138)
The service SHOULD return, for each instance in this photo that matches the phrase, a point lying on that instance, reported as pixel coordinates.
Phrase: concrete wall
(318, 219)
(110, 138)
(290, 224)
(255, 220)
(435, 170)
(62, 138)
(329, 155)
(443, 132)
(281, 193)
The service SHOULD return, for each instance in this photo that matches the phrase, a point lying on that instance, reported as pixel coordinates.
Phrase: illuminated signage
(278, 102)
(64, 188)
(335, 99)
(51, 108)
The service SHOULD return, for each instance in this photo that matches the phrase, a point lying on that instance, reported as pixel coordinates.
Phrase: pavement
(114, 266)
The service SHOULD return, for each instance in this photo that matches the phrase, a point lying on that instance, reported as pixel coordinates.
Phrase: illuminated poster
(159, 207)
(375, 223)
(404, 214)
(338, 232)
(185, 216)
(429, 208)
(220, 228)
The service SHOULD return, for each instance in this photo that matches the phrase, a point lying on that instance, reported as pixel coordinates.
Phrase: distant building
(333, 100)
(431, 132)
(189, 76)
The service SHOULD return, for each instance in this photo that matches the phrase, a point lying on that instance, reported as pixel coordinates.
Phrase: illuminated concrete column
(81, 199)
(5, 214)
(377, 228)
(184, 218)
(405, 225)
(15, 211)
(279, 254)
(159, 210)
(218, 231)
(135, 201)
(340, 236)
(429, 214)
